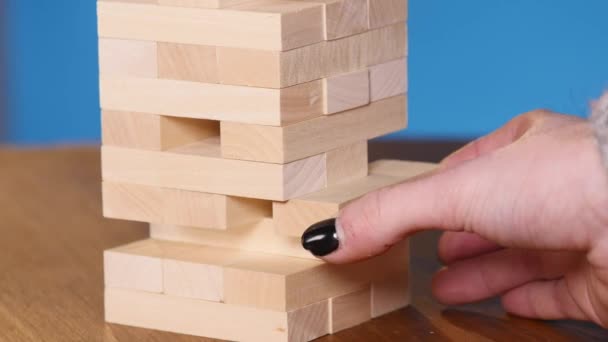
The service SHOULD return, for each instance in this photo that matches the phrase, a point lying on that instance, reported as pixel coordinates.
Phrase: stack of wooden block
(231, 126)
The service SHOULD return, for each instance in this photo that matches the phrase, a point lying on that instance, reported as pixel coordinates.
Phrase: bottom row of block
(234, 295)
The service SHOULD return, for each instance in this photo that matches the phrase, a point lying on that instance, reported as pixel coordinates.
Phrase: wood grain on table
(52, 236)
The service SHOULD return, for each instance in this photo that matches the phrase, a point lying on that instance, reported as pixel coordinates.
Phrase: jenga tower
(231, 126)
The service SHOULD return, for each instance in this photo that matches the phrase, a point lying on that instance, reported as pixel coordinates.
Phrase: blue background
(473, 65)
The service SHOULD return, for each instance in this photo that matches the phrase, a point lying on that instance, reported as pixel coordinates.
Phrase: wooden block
(199, 167)
(346, 91)
(269, 25)
(387, 44)
(193, 280)
(293, 217)
(187, 62)
(196, 272)
(255, 237)
(180, 207)
(127, 58)
(274, 69)
(349, 310)
(289, 283)
(390, 294)
(310, 137)
(386, 12)
(345, 164)
(135, 266)
(215, 320)
(153, 132)
(388, 79)
(213, 101)
(344, 17)
(274, 282)
(400, 168)
(201, 3)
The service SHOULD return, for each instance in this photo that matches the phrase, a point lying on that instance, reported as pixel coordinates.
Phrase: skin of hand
(525, 215)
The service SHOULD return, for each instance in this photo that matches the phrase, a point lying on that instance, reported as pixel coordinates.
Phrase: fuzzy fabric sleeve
(599, 121)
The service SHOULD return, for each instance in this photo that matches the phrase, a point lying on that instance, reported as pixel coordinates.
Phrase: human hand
(525, 210)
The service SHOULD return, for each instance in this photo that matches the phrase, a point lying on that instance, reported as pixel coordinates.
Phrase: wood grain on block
(201, 3)
(346, 164)
(199, 167)
(387, 44)
(213, 101)
(388, 79)
(136, 266)
(263, 280)
(254, 237)
(349, 310)
(128, 58)
(274, 69)
(303, 282)
(314, 136)
(267, 25)
(390, 294)
(196, 272)
(387, 12)
(153, 132)
(344, 17)
(291, 218)
(346, 91)
(180, 207)
(211, 319)
(187, 62)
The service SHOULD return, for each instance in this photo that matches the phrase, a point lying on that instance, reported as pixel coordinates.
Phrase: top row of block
(276, 25)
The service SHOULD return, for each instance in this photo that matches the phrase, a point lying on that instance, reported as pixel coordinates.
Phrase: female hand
(526, 214)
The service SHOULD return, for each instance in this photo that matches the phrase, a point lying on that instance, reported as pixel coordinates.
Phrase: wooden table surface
(52, 236)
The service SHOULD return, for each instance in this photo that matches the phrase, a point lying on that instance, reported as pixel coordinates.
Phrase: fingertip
(446, 289)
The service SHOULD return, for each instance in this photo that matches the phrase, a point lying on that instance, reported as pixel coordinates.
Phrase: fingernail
(321, 238)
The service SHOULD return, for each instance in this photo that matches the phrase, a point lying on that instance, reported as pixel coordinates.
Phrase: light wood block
(187, 62)
(273, 282)
(349, 310)
(199, 167)
(386, 12)
(390, 294)
(152, 131)
(193, 280)
(128, 58)
(344, 17)
(255, 237)
(387, 44)
(388, 79)
(293, 217)
(306, 138)
(400, 168)
(346, 91)
(201, 3)
(273, 69)
(215, 320)
(346, 164)
(213, 101)
(268, 25)
(180, 207)
(136, 266)
(196, 272)
(301, 282)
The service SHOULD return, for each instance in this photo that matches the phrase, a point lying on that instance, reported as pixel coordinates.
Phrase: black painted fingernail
(321, 238)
